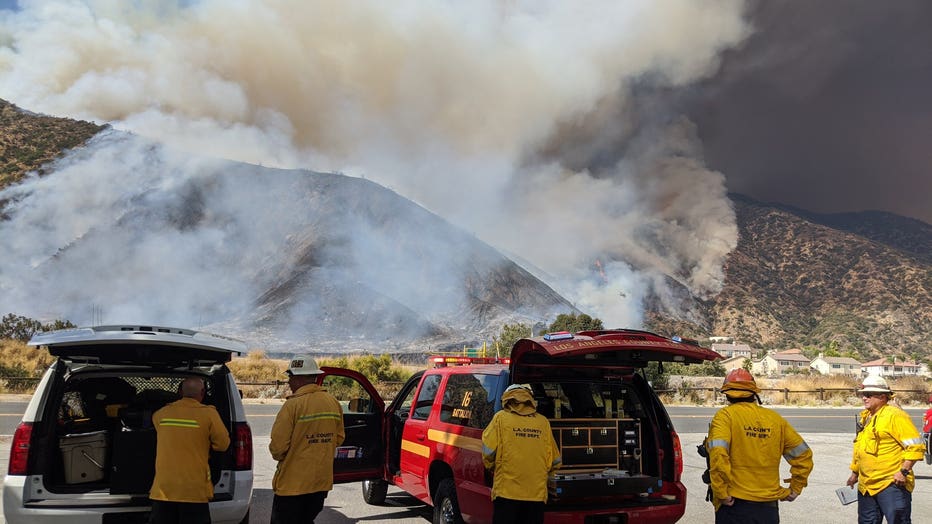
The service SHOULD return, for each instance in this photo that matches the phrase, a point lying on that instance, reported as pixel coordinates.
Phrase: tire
(446, 507)
(245, 518)
(374, 491)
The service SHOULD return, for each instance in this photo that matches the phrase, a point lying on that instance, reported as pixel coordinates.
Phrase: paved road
(828, 431)
(686, 419)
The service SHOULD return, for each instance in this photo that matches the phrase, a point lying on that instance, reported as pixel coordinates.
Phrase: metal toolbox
(604, 483)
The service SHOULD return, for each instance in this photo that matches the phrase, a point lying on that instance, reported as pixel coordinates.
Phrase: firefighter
(885, 450)
(186, 432)
(745, 443)
(304, 438)
(519, 449)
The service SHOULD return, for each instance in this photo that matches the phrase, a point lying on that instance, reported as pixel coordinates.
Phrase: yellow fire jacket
(745, 444)
(888, 438)
(519, 448)
(305, 435)
(186, 431)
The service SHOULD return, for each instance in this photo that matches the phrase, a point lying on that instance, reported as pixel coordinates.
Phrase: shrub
(261, 377)
(256, 368)
(376, 368)
(910, 390)
(836, 388)
(17, 360)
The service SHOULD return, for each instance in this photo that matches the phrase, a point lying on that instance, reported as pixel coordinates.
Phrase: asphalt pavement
(832, 454)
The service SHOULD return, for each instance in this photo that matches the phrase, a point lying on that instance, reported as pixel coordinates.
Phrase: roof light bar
(559, 335)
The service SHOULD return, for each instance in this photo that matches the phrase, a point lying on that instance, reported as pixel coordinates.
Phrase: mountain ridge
(796, 278)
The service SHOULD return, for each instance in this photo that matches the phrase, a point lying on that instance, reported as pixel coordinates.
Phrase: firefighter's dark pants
(748, 512)
(508, 511)
(297, 509)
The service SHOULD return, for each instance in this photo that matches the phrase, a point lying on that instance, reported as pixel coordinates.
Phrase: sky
(595, 143)
(826, 107)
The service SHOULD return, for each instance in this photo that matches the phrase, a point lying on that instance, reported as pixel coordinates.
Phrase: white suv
(85, 450)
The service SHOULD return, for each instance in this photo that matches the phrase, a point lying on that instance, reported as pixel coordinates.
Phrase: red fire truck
(622, 459)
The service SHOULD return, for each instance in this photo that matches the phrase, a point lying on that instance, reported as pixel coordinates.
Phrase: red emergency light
(444, 361)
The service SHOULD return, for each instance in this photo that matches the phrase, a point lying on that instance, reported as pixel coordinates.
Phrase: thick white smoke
(464, 107)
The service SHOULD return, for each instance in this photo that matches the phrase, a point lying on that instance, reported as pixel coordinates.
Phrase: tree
(572, 322)
(510, 334)
(17, 327)
(747, 365)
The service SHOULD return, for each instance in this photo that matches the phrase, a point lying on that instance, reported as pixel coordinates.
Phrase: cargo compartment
(105, 436)
(606, 444)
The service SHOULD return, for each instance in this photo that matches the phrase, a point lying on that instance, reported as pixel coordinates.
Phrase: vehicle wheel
(446, 507)
(373, 491)
(928, 438)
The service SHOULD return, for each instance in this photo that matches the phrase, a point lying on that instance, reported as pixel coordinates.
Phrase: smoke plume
(522, 122)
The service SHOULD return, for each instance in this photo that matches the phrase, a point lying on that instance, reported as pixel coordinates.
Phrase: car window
(425, 397)
(469, 400)
(351, 395)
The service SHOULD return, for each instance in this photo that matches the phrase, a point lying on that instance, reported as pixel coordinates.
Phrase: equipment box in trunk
(84, 456)
(602, 484)
(598, 443)
(600, 457)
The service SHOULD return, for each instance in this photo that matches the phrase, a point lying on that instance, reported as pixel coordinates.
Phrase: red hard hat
(739, 375)
(739, 383)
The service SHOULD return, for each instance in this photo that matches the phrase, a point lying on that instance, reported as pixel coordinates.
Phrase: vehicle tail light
(242, 447)
(19, 450)
(677, 457)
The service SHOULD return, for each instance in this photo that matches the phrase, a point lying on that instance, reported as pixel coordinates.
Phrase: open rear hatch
(106, 386)
(598, 352)
(616, 440)
(136, 345)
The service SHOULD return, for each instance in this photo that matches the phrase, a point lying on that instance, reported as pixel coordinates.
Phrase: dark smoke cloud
(826, 106)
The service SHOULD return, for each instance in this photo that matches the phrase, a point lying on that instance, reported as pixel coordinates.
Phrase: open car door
(362, 453)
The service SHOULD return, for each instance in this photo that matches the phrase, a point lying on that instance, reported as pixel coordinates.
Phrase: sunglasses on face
(871, 395)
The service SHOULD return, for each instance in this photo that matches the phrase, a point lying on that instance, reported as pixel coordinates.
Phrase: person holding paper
(745, 444)
(885, 449)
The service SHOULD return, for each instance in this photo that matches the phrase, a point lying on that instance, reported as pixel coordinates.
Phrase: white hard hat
(303, 365)
(874, 384)
(513, 387)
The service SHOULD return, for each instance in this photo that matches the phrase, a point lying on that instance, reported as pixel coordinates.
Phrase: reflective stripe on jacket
(186, 431)
(745, 444)
(888, 438)
(519, 448)
(304, 438)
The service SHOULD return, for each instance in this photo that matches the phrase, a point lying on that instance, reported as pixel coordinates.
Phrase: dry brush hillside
(862, 280)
